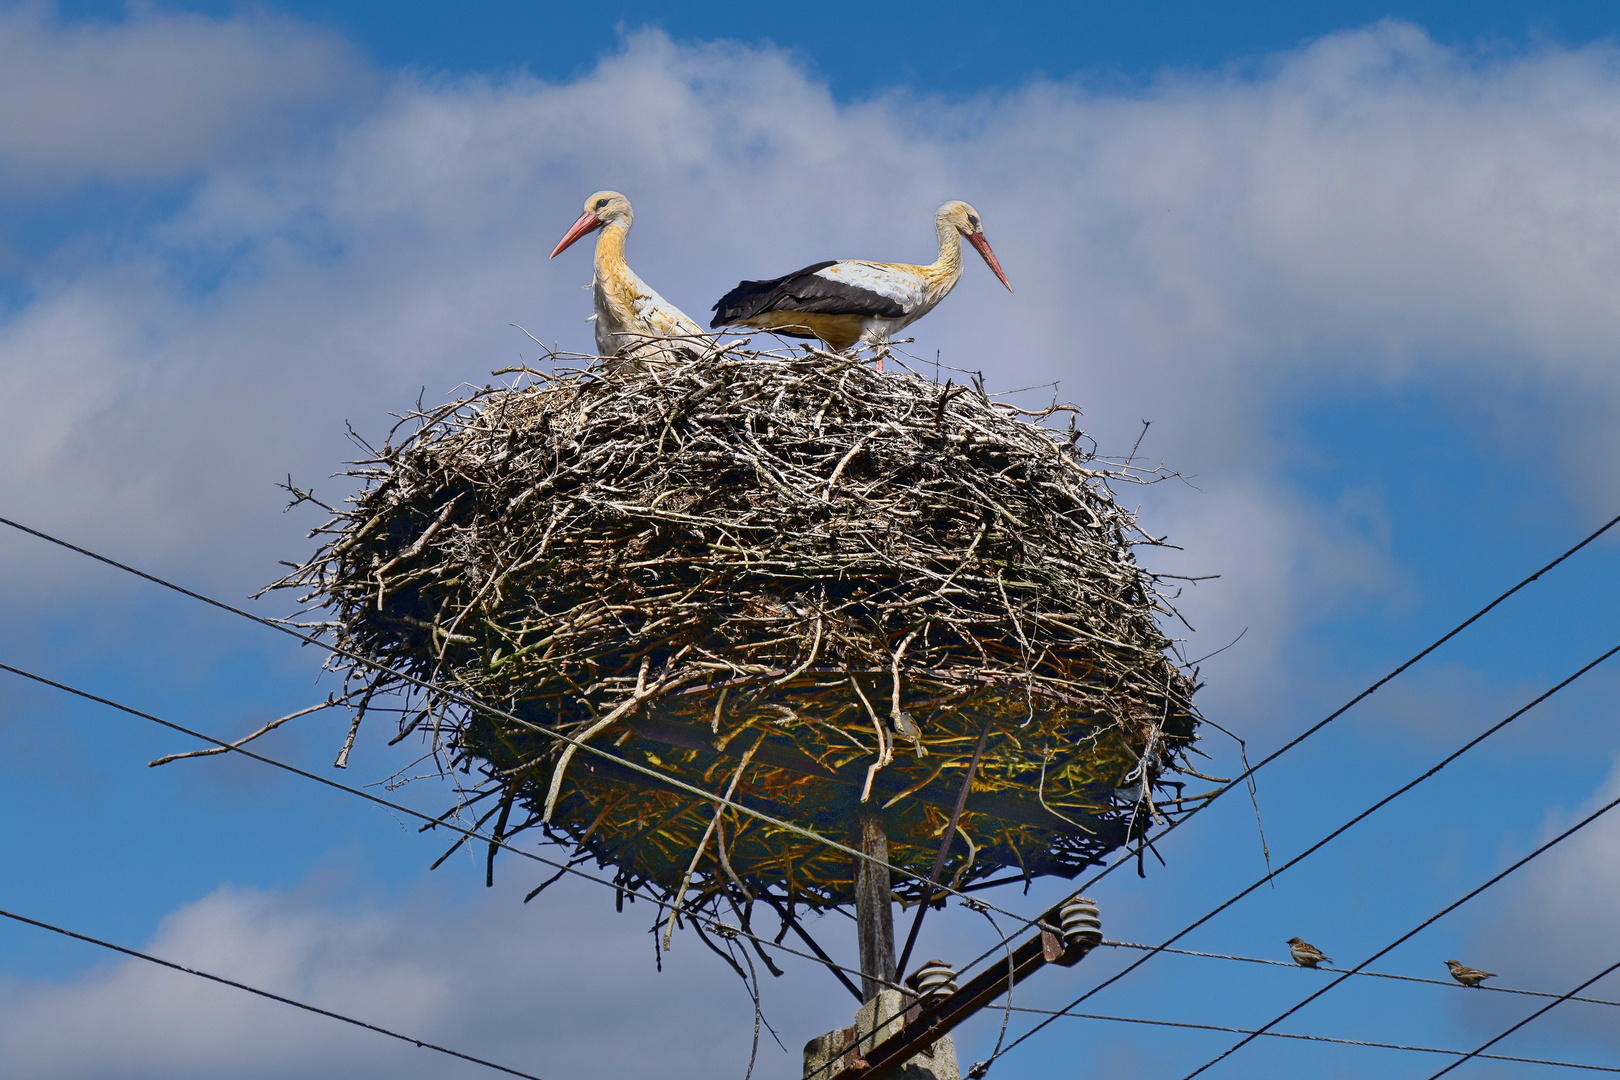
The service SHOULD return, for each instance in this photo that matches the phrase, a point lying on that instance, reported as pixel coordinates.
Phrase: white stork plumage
(856, 302)
(628, 310)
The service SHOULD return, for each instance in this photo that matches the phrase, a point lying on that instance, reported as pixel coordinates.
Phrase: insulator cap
(1081, 922)
(934, 979)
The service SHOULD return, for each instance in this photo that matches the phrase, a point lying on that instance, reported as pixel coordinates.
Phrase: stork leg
(874, 906)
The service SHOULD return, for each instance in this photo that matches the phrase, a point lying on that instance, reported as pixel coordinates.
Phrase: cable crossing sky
(724, 929)
(1419, 928)
(1397, 793)
(1462, 1055)
(474, 703)
(1244, 776)
(1480, 1051)
(1024, 923)
(425, 1045)
(472, 834)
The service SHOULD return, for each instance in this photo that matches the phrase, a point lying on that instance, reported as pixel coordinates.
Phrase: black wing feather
(802, 290)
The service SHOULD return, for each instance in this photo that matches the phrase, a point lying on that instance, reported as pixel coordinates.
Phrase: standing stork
(628, 310)
(857, 302)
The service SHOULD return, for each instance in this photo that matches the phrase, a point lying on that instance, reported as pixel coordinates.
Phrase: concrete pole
(874, 906)
(838, 1052)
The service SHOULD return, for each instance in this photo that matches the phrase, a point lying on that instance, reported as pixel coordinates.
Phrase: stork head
(602, 208)
(965, 220)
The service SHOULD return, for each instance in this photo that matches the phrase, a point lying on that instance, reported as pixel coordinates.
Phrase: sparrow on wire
(1305, 954)
(1468, 976)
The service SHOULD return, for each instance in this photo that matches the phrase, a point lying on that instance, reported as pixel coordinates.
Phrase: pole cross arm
(924, 1025)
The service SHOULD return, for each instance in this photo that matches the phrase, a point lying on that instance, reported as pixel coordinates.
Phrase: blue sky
(1358, 263)
(951, 48)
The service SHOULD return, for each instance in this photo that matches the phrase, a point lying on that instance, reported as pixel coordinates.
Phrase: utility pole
(874, 904)
(883, 1016)
(906, 1034)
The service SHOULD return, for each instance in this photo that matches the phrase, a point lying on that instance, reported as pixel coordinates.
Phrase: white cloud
(1372, 210)
(158, 95)
(559, 988)
(1554, 927)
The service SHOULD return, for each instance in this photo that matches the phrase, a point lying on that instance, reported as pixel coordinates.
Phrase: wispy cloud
(158, 95)
(1554, 929)
(563, 989)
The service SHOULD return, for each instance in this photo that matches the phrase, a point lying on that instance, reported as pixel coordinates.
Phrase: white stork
(857, 302)
(628, 310)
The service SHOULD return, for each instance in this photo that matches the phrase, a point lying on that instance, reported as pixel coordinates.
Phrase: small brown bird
(1468, 976)
(1305, 954)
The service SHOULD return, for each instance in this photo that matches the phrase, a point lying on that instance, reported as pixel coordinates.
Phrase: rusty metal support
(792, 923)
(925, 1025)
(944, 847)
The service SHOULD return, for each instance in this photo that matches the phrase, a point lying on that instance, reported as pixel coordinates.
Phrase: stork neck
(948, 267)
(610, 249)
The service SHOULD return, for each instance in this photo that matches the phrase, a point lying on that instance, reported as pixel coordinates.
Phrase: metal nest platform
(783, 574)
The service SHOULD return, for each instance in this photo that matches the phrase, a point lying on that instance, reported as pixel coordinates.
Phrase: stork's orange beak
(977, 240)
(589, 221)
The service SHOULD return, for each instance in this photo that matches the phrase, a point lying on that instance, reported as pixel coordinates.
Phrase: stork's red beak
(977, 240)
(589, 221)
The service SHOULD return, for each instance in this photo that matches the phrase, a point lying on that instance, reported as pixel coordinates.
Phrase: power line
(474, 703)
(1571, 831)
(1479, 1052)
(1463, 1054)
(1023, 923)
(1550, 1005)
(716, 924)
(1340, 711)
(265, 994)
(721, 928)
(1448, 759)
(1450, 984)
(809, 834)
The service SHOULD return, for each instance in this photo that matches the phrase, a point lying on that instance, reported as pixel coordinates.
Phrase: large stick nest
(759, 571)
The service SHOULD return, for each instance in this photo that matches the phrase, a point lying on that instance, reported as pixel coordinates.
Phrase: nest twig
(779, 571)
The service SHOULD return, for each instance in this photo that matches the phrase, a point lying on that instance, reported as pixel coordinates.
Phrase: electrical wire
(474, 703)
(423, 1044)
(1548, 846)
(1463, 1054)
(1447, 760)
(1450, 984)
(808, 834)
(1244, 776)
(1545, 1008)
(728, 930)
(1023, 922)
(721, 928)
(715, 924)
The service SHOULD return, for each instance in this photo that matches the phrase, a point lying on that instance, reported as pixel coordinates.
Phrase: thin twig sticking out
(271, 726)
(895, 715)
(697, 856)
(885, 750)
